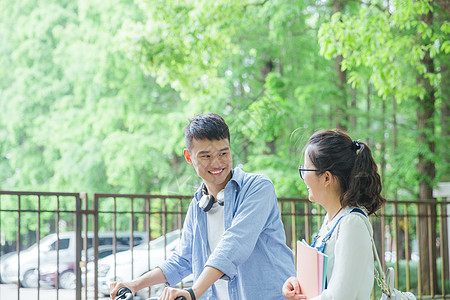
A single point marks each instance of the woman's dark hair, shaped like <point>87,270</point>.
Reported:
<point>352,163</point>
<point>208,126</point>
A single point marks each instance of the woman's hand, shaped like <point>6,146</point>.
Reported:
<point>171,294</point>
<point>291,289</point>
<point>115,286</point>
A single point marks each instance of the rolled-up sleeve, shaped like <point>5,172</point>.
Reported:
<point>179,265</point>
<point>250,218</point>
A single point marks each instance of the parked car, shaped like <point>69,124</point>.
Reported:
<point>67,278</point>
<point>3,258</point>
<point>28,258</point>
<point>128,266</point>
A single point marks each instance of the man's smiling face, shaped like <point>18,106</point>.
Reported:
<point>212,161</point>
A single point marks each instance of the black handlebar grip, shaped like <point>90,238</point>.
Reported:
<point>124,293</point>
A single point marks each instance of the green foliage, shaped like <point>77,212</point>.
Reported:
<point>95,94</point>
<point>391,42</point>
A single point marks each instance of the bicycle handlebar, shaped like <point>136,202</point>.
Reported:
<point>124,293</point>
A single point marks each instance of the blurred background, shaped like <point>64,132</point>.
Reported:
<point>94,95</point>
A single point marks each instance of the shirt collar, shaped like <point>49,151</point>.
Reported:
<point>345,211</point>
<point>237,175</point>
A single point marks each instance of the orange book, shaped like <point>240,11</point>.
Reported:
<point>308,270</point>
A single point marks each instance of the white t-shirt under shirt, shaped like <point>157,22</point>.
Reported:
<point>216,227</point>
<point>350,269</point>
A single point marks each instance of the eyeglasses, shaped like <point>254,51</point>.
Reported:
<point>301,170</point>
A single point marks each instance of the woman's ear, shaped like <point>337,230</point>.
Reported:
<point>331,181</point>
<point>187,156</point>
<point>328,178</point>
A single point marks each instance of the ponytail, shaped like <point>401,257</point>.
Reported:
<point>364,188</point>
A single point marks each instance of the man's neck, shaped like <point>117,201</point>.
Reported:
<point>213,189</point>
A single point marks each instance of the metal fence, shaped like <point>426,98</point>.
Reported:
<point>122,225</point>
<point>401,240</point>
<point>24,218</point>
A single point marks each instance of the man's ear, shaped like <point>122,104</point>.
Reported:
<point>187,156</point>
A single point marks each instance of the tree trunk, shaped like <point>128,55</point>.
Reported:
<point>445,113</point>
<point>341,116</point>
<point>394,136</point>
<point>377,228</point>
<point>445,131</point>
<point>394,125</point>
<point>368,118</point>
<point>444,4</point>
<point>401,233</point>
<point>353,112</point>
<point>383,142</point>
<point>265,70</point>
<point>426,169</point>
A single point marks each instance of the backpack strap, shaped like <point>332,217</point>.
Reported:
<point>321,248</point>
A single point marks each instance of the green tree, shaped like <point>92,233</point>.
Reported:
<point>403,44</point>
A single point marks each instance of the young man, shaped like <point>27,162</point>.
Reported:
<point>233,239</point>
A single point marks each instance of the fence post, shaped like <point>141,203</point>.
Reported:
<point>443,191</point>
<point>96,244</point>
<point>78,241</point>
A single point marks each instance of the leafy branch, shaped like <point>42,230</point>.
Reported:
<point>255,4</point>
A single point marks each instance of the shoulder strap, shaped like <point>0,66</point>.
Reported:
<point>359,210</point>
<point>382,282</point>
<point>321,248</point>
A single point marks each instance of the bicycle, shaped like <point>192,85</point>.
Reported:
<point>126,294</point>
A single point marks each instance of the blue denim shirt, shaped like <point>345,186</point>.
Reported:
<point>252,253</point>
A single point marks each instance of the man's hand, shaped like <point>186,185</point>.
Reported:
<point>153,277</point>
<point>171,294</point>
<point>291,289</point>
<point>115,286</point>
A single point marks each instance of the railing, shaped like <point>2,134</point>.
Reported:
<point>155,215</point>
<point>411,236</point>
<point>22,213</point>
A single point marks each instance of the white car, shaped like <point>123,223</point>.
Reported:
<point>130,265</point>
<point>28,258</point>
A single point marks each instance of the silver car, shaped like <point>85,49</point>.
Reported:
<point>28,259</point>
<point>129,265</point>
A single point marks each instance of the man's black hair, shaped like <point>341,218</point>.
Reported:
<point>208,126</point>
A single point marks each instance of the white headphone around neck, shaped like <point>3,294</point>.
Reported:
<point>207,201</point>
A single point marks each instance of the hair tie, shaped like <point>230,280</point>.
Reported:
<point>355,145</point>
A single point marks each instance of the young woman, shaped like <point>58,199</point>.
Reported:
<point>341,175</point>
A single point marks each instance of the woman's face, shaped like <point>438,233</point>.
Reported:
<point>313,182</point>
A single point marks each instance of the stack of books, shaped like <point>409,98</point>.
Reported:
<point>311,269</point>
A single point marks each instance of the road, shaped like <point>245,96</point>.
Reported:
<point>9,291</point>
